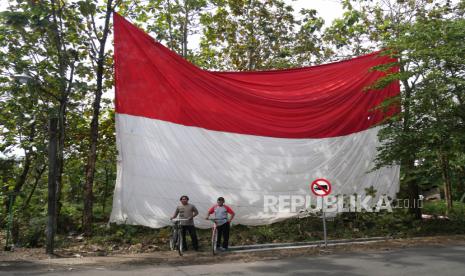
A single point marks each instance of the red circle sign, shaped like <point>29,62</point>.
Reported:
<point>320,187</point>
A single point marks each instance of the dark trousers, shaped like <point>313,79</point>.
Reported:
<point>223,231</point>
<point>192,233</point>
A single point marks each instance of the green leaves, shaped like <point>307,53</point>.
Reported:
<point>14,19</point>
<point>87,7</point>
<point>257,35</point>
<point>428,40</point>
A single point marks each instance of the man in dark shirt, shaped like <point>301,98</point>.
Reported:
<point>188,212</point>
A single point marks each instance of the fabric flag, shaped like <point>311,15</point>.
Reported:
<point>182,130</point>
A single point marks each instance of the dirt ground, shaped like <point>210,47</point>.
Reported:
<point>68,258</point>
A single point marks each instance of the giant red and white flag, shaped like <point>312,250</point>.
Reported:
<point>241,135</point>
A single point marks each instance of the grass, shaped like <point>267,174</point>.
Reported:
<point>344,226</point>
<point>399,223</point>
<point>440,208</point>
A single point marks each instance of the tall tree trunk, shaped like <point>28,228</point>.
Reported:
<point>94,128</point>
<point>64,90</point>
<point>184,28</point>
<point>412,188</point>
<point>251,50</point>
<point>66,85</point>
<point>170,28</point>
<point>52,159</point>
<point>60,153</point>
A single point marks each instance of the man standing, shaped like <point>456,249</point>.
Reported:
<point>188,212</point>
<point>222,221</point>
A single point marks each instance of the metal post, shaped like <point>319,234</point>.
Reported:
<point>324,227</point>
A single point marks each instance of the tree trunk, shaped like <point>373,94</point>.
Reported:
<point>64,90</point>
<point>60,153</point>
<point>52,164</point>
<point>412,188</point>
<point>94,129</point>
<point>170,28</point>
<point>250,37</point>
<point>184,29</point>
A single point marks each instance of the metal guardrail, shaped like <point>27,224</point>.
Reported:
<point>309,243</point>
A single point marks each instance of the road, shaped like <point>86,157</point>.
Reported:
<point>427,260</point>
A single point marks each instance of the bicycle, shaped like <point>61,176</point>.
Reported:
<point>176,239</point>
<point>214,235</point>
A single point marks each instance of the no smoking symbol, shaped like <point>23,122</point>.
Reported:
<point>320,187</point>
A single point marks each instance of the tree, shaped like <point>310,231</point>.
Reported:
<point>50,34</point>
<point>424,135</point>
<point>247,35</point>
<point>433,50</point>
<point>172,22</point>
<point>257,35</point>
<point>98,54</point>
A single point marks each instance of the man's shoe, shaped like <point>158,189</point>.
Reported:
<point>221,249</point>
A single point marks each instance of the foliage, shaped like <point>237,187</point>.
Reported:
<point>426,137</point>
<point>254,35</point>
<point>433,65</point>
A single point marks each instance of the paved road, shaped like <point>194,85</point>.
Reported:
<point>428,260</point>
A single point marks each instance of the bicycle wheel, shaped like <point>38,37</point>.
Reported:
<point>173,240</point>
<point>179,244</point>
<point>214,240</point>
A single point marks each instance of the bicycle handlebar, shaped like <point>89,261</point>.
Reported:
<point>179,219</point>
